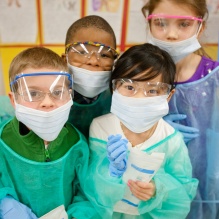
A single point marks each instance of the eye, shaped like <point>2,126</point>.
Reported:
<point>82,52</point>
<point>106,55</point>
<point>153,92</point>
<point>160,23</point>
<point>78,49</point>
<point>130,87</point>
<point>57,93</point>
<point>185,23</point>
<point>35,93</point>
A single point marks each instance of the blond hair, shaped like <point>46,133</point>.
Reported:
<point>36,57</point>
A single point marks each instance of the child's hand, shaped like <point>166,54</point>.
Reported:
<point>142,190</point>
<point>117,154</point>
<point>11,208</point>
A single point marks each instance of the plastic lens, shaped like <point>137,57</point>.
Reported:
<point>33,87</point>
<point>128,87</point>
<point>82,51</point>
<point>184,25</point>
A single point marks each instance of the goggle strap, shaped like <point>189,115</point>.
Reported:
<point>40,74</point>
<point>174,16</point>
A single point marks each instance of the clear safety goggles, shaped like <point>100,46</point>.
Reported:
<point>184,25</point>
<point>82,51</point>
<point>33,87</point>
<point>129,88</point>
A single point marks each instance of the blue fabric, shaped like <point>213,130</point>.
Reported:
<point>199,101</point>
<point>11,208</point>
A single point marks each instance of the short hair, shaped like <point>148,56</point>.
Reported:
<point>145,62</point>
<point>36,57</point>
<point>86,22</point>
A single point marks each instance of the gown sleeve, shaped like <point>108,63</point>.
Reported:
<point>175,187</point>
<point>102,189</point>
<point>81,207</point>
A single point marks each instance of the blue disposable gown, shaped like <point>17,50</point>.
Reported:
<point>199,100</point>
<point>43,186</point>
<point>175,188</point>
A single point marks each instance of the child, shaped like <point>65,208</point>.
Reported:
<point>142,83</point>
<point>43,159</point>
<point>176,27</point>
<point>90,53</point>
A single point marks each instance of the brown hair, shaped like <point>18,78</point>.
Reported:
<point>89,21</point>
<point>198,6</point>
<point>36,57</point>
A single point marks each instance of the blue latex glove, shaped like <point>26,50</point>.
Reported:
<point>117,154</point>
<point>11,208</point>
<point>188,132</point>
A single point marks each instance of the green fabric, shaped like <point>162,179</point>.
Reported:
<point>175,187</point>
<point>43,186</point>
<point>81,115</point>
<point>6,109</point>
<point>32,147</point>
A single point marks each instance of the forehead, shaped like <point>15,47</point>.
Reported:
<point>94,35</point>
<point>44,69</point>
<point>142,75</point>
<point>172,8</point>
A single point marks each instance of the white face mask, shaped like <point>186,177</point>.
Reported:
<point>47,125</point>
<point>177,50</point>
<point>139,114</point>
<point>89,83</point>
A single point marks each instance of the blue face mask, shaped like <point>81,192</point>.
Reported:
<point>89,83</point>
<point>139,114</point>
<point>47,125</point>
<point>177,50</point>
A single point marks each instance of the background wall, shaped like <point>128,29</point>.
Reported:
<point>27,23</point>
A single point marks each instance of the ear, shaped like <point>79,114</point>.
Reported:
<point>170,94</point>
<point>64,57</point>
<point>11,97</point>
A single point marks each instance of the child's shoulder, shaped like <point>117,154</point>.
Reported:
<point>102,126</point>
<point>166,127</point>
<point>104,118</point>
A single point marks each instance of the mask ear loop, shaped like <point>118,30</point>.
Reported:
<point>199,29</point>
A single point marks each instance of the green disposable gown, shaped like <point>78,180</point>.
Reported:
<point>175,187</point>
<point>43,186</point>
<point>81,115</point>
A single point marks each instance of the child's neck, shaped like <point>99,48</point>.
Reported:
<point>138,138</point>
<point>46,143</point>
<point>187,67</point>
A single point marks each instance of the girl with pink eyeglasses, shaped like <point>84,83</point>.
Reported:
<point>177,26</point>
